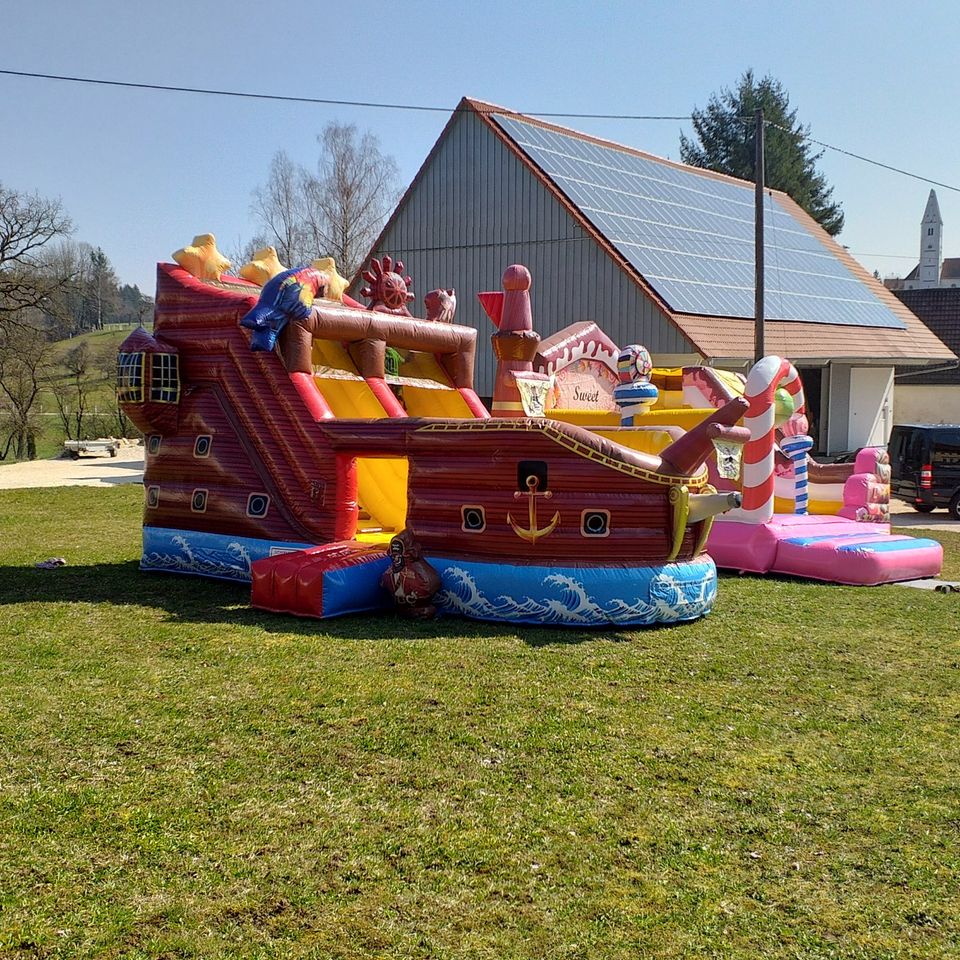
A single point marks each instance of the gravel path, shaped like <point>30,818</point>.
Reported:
<point>100,470</point>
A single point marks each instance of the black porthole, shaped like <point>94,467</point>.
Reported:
<point>198,502</point>
<point>201,446</point>
<point>258,504</point>
<point>595,523</point>
<point>474,519</point>
<point>153,444</point>
<point>153,497</point>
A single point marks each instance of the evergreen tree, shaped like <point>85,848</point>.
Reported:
<point>724,142</point>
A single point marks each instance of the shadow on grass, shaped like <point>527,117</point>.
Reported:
<point>196,600</point>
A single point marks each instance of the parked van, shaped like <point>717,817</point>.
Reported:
<point>925,466</point>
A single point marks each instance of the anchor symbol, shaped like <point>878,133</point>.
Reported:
<point>532,533</point>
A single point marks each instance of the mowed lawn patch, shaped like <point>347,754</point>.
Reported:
<point>182,776</point>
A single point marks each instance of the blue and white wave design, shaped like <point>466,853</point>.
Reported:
<point>206,554</point>
<point>577,596</point>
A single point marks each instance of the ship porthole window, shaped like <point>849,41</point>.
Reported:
<point>165,378</point>
<point>201,446</point>
<point>153,444</point>
<point>474,518</point>
<point>258,504</point>
<point>198,501</point>
<point>130,377</point>
<point>153,497</point>
<point>595,523</point>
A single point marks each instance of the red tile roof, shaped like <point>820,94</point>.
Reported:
<point>939,308</point>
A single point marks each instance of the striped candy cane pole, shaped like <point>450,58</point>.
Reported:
<point>796,448</point>
<point>758,458</point>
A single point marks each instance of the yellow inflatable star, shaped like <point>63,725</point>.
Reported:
<point>202,259</point>
<point>336,285</point>
<point>263,266</point>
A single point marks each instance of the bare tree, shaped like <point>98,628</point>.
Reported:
<point>68,307</point>
<point>279,209</point>
<point>28,223</point>
<point>25,355</point>
<point>103,287</point>
<point>337,211</point>
<point>73,391</point>
<point>349,199</point>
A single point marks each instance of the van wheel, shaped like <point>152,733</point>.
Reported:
<point>954,508</point>
<point>923,507</point>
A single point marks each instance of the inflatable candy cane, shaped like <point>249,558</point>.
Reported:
<point>758,456</point>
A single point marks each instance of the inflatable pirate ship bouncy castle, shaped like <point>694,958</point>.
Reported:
<point>293,436</point>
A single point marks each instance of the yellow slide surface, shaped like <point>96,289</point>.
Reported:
<point>381,483</point>
<point>428,401</point>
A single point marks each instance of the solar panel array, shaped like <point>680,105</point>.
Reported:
<point>691,236</point>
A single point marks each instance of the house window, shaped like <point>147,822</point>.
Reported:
<point>130,377</point>
<point>258,504</point>
<point>153,497</point>
<point>201,446</point>
<point>198,501</point>
<point>165,378</point>
<point>929,231</point>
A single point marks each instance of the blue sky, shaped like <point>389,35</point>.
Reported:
<point>141,172</point>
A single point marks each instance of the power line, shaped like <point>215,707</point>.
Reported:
<point>167,88</point>
<point>425,108</point>
<point>859,156</point>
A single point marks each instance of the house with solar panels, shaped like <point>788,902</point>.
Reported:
<point>654,252</point>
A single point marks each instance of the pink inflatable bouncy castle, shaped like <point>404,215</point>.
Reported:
<point>854,546</point>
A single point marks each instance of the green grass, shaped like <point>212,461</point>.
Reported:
<point>182,776</point>
<point>99,341</point>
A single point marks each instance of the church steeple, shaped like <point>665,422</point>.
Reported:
<point>931,230</point>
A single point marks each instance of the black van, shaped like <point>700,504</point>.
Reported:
<point>925,466</point>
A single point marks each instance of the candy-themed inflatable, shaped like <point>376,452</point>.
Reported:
<point>338,459</point>
<point>798,517</point>
<point>853,546</point>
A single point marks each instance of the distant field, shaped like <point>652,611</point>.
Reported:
<point>182,776</point>
<point>99,340</point>
<point>50,441</point>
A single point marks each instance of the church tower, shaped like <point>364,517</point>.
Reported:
<point>931,230</point>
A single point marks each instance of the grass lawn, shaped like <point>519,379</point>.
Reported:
<point>182,776</point>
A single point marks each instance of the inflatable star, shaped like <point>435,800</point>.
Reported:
<point>202,259</point>
<point>336,285</point>
<point>263,266</point>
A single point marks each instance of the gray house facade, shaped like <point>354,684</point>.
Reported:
<point>655,253</point>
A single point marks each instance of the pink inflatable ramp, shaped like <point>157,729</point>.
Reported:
<point>324,581</point>
<point>829,548</point>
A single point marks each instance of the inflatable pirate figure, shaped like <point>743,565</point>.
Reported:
<point>409,579</point>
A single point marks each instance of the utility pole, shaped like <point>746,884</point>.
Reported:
<point>758,345</point>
